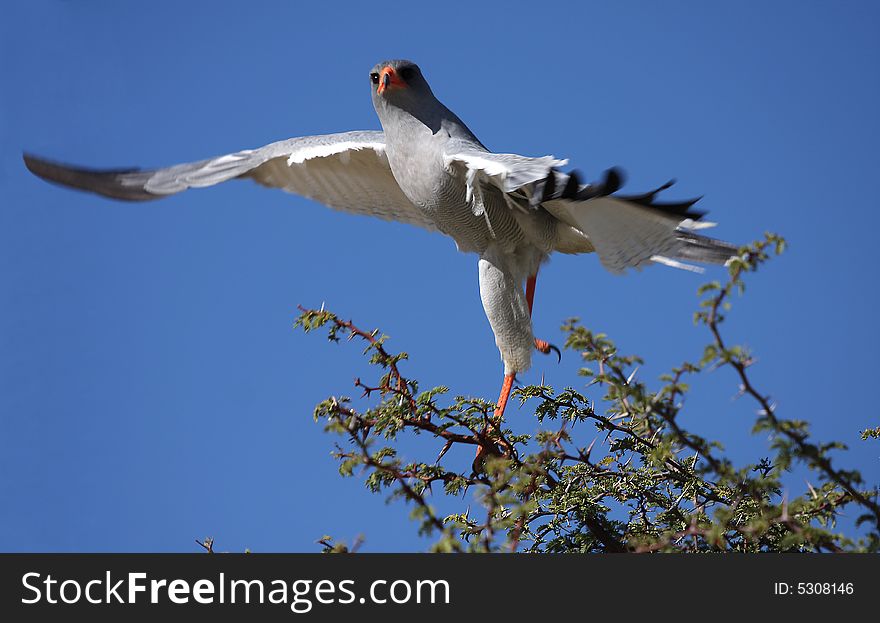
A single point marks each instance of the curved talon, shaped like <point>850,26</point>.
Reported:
<point>546,347</point>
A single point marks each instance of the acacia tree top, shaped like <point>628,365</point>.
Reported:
<point>648,484</point>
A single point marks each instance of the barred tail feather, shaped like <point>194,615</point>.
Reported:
<point>696,248</point>
<point>632,231</point>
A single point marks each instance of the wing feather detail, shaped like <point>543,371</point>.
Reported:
<point>626,231</point>
<point>348,171</point>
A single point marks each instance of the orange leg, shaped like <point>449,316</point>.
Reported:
<point>530,290</point>
<point>541,345</point>
<point>483,451</point>
<point>506,388</point>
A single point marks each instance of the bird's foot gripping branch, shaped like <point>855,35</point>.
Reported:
<point>609,467</point>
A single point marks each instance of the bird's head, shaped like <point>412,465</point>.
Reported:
<point>397,81</point>
<point>401,94</point>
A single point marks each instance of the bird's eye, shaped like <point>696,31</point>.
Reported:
<point>407,73</point>
<point>374,78</point>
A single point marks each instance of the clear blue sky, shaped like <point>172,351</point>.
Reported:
<point>151,388</point>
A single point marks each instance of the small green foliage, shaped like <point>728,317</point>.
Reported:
<point>329,546</point>
<point>870,433</point>
<point>609,467</point>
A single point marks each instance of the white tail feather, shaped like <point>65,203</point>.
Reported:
<point>659,259</point>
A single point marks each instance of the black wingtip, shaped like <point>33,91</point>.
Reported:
<point>34,164</point>
<point>47,170</point>
<point>614,180</point>
<point>106,182</point>
<point>549,188</point>
<point>678,208</point>
<point>572,186</point>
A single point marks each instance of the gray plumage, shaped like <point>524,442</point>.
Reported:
<point>428,169</point>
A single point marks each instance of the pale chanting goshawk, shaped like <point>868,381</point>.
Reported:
<point>428,169</point>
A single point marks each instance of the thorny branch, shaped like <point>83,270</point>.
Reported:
<point>798,437</point>
<point>652,486</point>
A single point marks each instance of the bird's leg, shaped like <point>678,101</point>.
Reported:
<point>483,450</point>
<point>503,312</point>
<point>541,345</point>
<point>531,283</point>
<point>506,388</point>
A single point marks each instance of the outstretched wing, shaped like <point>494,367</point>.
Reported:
<point>347,171</point>
<point>626,231</point>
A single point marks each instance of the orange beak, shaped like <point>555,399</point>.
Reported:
<point>389,78</point>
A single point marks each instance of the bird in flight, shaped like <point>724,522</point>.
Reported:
<point>428,169</point>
